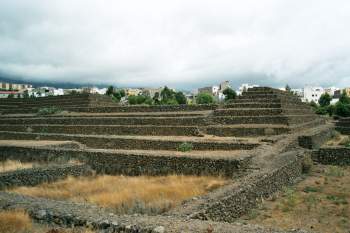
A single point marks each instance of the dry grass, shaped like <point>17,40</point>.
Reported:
<point>320,203</point>
<point>12,165</point>
<point>15,221</point>
<point>18,221</point>
<point>141,194</point>
<point>339,140</point>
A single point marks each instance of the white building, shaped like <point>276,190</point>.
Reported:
<point>299,92</point>
<point>331,90</point>
<point>58,91</point>
<point>216,91</point>
<point>244,87</point>
<point>312,93</point>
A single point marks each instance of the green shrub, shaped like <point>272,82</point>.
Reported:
<point>337,199</point>
<point>342,109</point>
<point>309,189</point>
<point>204,98</point>
<point>48,111</point>
<point>185,147</point>
<point>229,94</point>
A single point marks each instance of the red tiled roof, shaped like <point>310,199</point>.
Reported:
<point>8,92</point>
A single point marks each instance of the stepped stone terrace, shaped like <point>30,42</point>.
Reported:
<point>257,143</point>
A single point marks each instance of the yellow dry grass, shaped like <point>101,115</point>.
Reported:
<point>15,221</point>
<point>127,194</point>
<point>18,221</point>
<point>11,165</point>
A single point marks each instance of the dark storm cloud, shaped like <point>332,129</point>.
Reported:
<point>179,43</point>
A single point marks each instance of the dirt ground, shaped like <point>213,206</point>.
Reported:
<point>319,203</point>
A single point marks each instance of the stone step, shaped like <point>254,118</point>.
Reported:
<point>107,121</point>
<point>260,112</point>
<point>250,120</point>
<point>135,108</point>
<point>253,105</point>
<point>137,142</point>
<point>117,114</point>
<point>267,100</point>
<point>252,130</point>
<point>278,119</point>
<point>106,129</point>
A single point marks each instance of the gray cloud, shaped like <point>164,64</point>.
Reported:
<point>179,43</point>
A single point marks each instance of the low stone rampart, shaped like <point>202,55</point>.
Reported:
<point>133,163</point>
<point>130,143</point>
<point>245,195</point>
<point>332,155</point>
<point>316,137</point>
<point>35,176</point>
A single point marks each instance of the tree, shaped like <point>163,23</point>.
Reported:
<point>180,98</point>
<point>344,98</point>
<point>313,104</point>
<point>117,96</point>
<point>26,94</point>
<point>110,91</point>
<point>167,94</point>
<point>122,92</point>
<point>156,98</point>
<point>229,94</point>
<point>325,100</point>
<point>342,109</point>
<point>132,100</point>
<point>10,96</point>
<point>204,98</point>
<point>288,89</point>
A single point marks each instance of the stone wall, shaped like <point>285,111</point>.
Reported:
<point>248,193</point>
<point>35,176</point>
<point>133,163</point>
<point>70,214</point>
<point>316,138</point>
<point>332,155</point>
<point>129,143</point>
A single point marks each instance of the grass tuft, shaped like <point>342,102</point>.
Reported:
<point>12,165</point>
<point>15,221</point>
<point>185,147</point>
<point>48,111</point>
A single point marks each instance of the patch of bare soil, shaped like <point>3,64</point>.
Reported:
<point>319,203</point>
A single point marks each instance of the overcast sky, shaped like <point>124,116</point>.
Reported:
<point>183,44</point>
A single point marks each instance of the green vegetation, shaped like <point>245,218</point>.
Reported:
<point>180,98</point>
<point>48,111</point>
<point>335,171</point>
<point>116,95</point>
<point>342,108</point>
<point>325,100</point>
<point>229,94</point>
<point>185,147</point>
<point>290,200</point>
<point>204,98</point>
